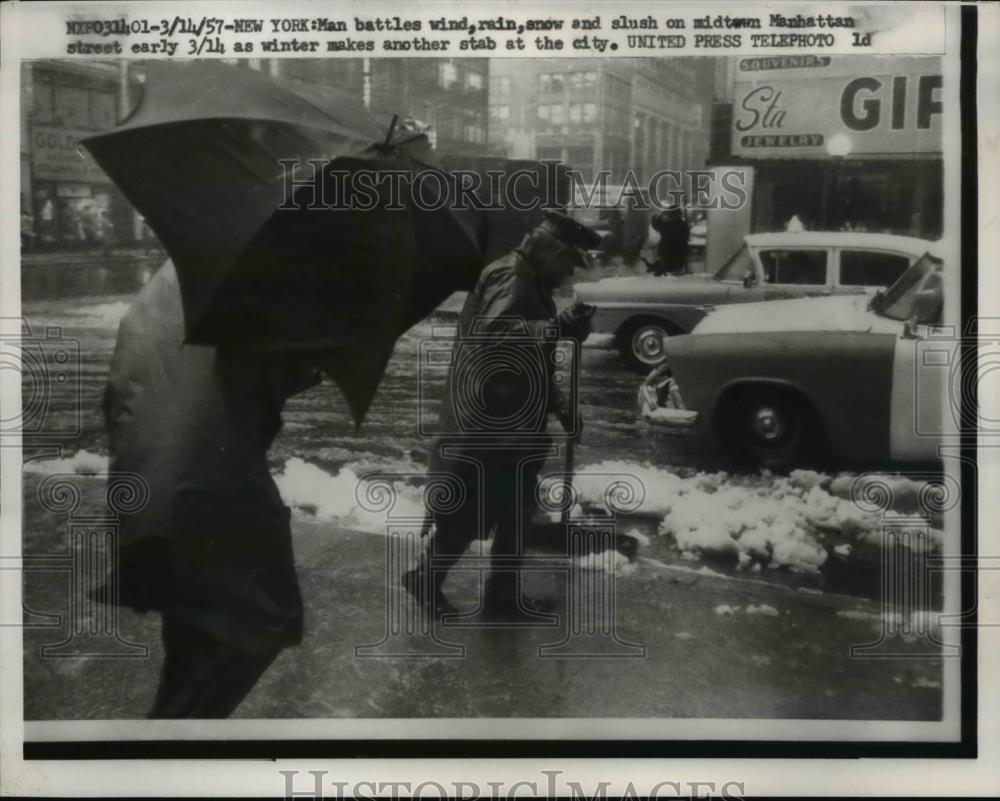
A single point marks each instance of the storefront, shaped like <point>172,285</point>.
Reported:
<point>841,143</point>
<point>67,200</point>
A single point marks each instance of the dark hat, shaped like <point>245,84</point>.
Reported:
<point>570,232</point>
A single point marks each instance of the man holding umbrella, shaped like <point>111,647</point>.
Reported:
<point>499,392</point>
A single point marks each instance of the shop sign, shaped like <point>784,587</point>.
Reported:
<point>57,155</point>
<point>885,114</point>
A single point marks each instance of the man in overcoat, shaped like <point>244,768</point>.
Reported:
<point>500,389</point>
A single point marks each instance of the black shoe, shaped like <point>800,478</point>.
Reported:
<point>434,602</point>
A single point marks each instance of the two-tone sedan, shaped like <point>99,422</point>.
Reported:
<point>635,313</point>
<point>814,380</point>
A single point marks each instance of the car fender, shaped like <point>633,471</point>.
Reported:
<point>611,318</point>
<point>845,376</point>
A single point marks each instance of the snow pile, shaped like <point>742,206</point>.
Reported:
<point>608,561</point>
<point>774,521</point>
<point>338,497</point>
<point>82,463</point>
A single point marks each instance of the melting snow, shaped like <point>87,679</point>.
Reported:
<point>82,463</point>
<point>335,497</point>
<point>765,520</point>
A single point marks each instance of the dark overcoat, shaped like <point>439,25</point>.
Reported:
<point>212,546</point>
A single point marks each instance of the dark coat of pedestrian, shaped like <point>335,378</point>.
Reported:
<point>211,551</point>
<point>672,250</point>
<point>501,388</point>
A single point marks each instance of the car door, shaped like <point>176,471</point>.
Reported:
<point>862,269</point>
<point>793,272</point>
<point>920,372</point>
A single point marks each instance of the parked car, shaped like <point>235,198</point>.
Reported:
<point>640,311</point>
<point>811,380</point>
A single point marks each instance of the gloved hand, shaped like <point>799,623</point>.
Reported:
<point>574,322</point>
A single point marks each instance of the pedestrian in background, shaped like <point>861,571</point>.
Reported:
<point>672,250</point>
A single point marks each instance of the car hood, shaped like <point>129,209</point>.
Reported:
<point>662,289</point>
<point>837,313</point>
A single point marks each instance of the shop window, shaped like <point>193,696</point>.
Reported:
<point>871,268</point>
<point>803,267</point>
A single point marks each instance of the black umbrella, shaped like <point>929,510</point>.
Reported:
<point>205,158</point>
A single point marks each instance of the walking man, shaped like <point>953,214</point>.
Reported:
<point>499,392</point>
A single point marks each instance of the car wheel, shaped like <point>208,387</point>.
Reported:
<point>641,344</point>
<point>769,428</point>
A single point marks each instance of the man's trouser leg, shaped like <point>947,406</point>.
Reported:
<point>203,677</point>
<point>511,504</point>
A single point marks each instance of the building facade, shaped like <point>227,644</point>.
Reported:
<point>842,143</point>
<point>67,202</point>
<point>66,199</point>
<point>615,114</point>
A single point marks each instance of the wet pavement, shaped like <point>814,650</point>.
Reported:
<point>686,641</point>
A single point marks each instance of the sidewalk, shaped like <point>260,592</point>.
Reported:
<point>683,645</point>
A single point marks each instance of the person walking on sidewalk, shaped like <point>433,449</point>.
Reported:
<point>211,551</point>
<point>499,392</point>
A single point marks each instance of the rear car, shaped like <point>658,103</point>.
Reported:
<point>639,312</point>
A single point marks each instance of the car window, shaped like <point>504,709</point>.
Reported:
<point>739,264</point>
<point>785,266</point>
<point>871,267</point>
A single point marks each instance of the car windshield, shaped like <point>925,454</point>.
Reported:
<point>899,300</point>
<point>737,267</point>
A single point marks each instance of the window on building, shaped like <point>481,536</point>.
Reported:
<point>500,112</point>
<point>544,82</point>
<point>447,74</point>
<point>548,153</point>
<point>558,83</point>
<point>72,107</point>
<point>43,110</point>
<point>871,268</point>
<point>589,79</point>
<point>102,111</point>
<point>543,112</point>
<point>806,267</point>
<point>473,81</point>
<point>575,112</point>
<point>503,84</point>
<point>557,113</point>
<point>589,112</point>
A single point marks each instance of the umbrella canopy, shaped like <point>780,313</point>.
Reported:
<point>202,159</point>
